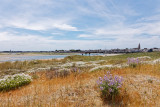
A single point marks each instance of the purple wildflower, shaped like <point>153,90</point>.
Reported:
<point>133,61</point>
<point>110,90</point>
<point>100,78</point>
<point>119,86</point>
<point>116,78</point>
<point>110,83</point>
<point>98,82</point>
<point>101,88</point>
<point>137,61</point>
<point>105,77</point>
<point>119,80</point>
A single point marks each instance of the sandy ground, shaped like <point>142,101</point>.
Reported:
<point>111,54</point>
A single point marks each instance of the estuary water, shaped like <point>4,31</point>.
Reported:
<point>15,57</point>
<point>23,58</point>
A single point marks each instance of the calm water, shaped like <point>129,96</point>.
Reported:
<point>23,58</point>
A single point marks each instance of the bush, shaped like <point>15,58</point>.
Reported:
<point>55,73</point>
<point>14,81</point>
<point>109,86</point>
<point>133,62</point>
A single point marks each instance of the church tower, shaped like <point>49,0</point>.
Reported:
<point>139,46</point>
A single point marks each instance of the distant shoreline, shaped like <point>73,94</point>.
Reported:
<point>111,54</point>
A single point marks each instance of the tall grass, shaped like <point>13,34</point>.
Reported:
<point>10,68</point>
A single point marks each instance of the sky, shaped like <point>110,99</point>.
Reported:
<point>47,25</point>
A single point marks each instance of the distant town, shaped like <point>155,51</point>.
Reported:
<point>105,51</point>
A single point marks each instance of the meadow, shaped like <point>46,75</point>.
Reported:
<point>72,81</point>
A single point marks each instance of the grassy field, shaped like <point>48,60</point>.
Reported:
<point>70,82</point>
<point>123,57</point>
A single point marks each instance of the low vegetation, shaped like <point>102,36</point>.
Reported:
<point>69,82</point>
<point>14,81</point>
<point>109,86</point>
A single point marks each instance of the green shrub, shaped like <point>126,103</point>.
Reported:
<point>14,81</point>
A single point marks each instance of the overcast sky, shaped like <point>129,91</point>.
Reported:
<point>78,24</point>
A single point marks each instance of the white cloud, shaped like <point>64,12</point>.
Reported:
<point>84,36</point>
<point>57,33</point>
<point>10,37</point>
<point>125,31</point>
<point>117,32</point>
<point>125,36</point>
<point>107,10</point>
<point>37,43</point>
<point>65,27</point>
<point>35,15</point>
<point>39,24</point>
<point>4,36</point>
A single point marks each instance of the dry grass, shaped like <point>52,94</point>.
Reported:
<point>141,88</point>
<point>10,68</point>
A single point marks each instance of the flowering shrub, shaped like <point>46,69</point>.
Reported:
<point>109,85</point>
<point>133,62</point>
<point>14,81</point>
